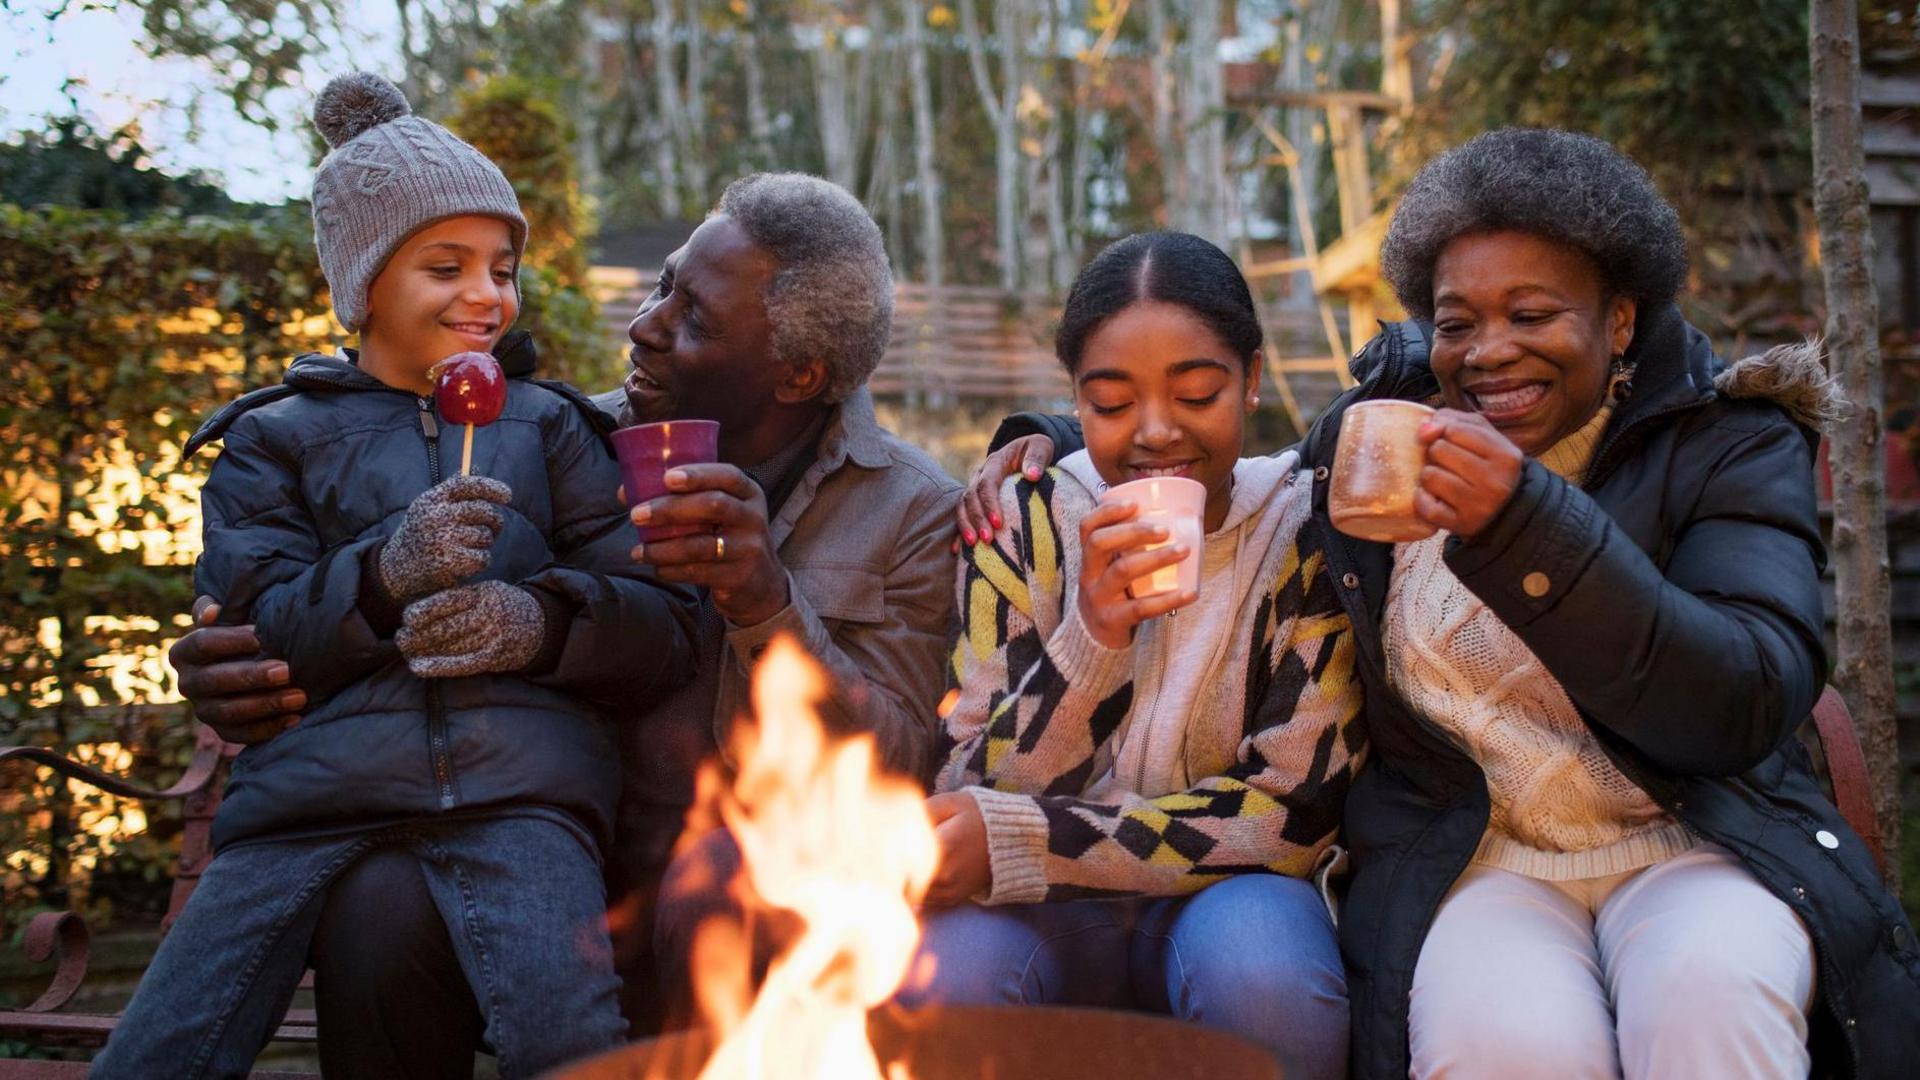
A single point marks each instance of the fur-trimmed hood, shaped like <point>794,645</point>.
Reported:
<point>1794,377</point>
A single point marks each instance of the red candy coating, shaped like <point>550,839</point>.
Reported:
<point>469,388</point>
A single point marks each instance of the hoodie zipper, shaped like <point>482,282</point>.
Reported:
<point>1163,646</point>
<point>436,710</point>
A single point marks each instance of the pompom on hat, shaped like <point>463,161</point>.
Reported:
<point>390,174</point>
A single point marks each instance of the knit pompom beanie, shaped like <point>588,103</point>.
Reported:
<point>389,174</point>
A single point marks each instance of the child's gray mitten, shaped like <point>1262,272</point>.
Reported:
<point>447,536</point>
<point>486,627</point>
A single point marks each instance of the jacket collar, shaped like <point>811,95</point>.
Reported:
<point>1673,370</point>
<point>341,371</point>
<point>853,434</point>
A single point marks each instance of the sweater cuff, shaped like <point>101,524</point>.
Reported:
<point>1016,846</point>
<point>1085,662</point>
<point>383,612</point>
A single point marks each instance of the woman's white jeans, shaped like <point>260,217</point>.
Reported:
<point>1688,968</point>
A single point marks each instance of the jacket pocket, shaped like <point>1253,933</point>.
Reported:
<point>842,591</point>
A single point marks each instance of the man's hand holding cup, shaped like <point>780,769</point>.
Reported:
<point>730,550</point>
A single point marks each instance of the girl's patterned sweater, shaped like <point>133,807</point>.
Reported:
<point>1222,741</point>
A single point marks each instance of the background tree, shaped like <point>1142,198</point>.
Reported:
<point>999,99</point>
<point>1705,93</point>
<point>1709,95</point>
<point>1864,673</point>
<point>926,171</point>
<point>70,164</point>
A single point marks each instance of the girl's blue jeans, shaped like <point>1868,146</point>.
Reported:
<point>1254,955</point>
<point>522,898</point>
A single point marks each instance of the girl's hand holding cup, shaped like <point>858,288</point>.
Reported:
<point>1470,475</point>
<point>1114,556</point>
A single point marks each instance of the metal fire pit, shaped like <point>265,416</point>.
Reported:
<point>992,1043</point>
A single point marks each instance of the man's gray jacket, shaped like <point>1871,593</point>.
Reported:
<point>865,538</point>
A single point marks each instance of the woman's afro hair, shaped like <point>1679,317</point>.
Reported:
<point>1564,186</point>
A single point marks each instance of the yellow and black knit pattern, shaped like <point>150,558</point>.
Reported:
<point>1023,724</point>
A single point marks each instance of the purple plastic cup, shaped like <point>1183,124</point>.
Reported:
<point>647,451</point>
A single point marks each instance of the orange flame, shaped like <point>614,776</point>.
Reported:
<point>845,848</point>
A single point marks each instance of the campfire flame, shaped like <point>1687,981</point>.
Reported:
<point>845,848</point>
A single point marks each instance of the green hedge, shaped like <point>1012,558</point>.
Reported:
<point>120,337</point>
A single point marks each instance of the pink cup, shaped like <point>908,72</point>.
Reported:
<point>1178,504</point>
<point>647,451</point>
<point>1376,471</point>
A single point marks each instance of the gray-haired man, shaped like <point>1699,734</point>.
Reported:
<point>822,525</point>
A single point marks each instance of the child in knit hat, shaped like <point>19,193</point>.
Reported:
<point>462,640</point>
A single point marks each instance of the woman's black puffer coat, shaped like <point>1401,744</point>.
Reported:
<point>1682,614</point>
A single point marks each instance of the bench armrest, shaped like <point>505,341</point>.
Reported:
<point>63,932</point>
<point>200,770</point>
<point>1847,768</point>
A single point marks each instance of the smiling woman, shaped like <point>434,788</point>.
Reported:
<point>1582,690</point>
<point>1525,334</point>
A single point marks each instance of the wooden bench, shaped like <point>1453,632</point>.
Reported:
<point>62,936</point>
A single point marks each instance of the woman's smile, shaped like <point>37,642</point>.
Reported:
<point>1524,332</point>
<point>1505,401</point>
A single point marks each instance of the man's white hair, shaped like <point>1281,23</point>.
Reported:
<point>832,298</point>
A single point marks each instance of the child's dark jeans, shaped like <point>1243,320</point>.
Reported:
<point>523,900</point>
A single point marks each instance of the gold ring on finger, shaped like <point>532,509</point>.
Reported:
<point>719,547</point>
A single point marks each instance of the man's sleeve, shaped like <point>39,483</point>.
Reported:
<point>1063,431</point>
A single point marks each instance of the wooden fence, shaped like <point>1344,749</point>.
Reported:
<point>975,342</point>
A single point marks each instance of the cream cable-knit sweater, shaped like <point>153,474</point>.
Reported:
<point>1561,810</point>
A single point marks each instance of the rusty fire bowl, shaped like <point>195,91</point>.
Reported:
<point>991,1043</point>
